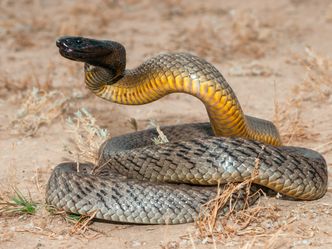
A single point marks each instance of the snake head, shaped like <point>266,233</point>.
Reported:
<point>107,54</point>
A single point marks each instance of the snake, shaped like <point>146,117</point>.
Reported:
<point>139,181</point>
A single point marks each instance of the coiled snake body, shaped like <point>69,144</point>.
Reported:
<point>140,182</point>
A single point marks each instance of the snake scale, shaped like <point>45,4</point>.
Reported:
<point>138,181</point>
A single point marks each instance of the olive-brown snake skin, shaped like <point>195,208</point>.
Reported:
<point>140,182</point>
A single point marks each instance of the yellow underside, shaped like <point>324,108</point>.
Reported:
<point>225,113</point>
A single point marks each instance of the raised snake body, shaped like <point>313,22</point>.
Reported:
<point>140,182</point>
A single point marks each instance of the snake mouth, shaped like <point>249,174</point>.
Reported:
<point>82,49</point>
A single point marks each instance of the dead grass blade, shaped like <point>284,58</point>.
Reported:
<point>133,124</point>
<point>236,221</point>
<point>87,137</point>
<point>9,86</point>
<point>315,89</point>
<point>250,35</point>
<point>161,139</point>
<point>288,118</point>
<point>250,220</point>
<point>38,108</point>
<point>317,85</point>
<point>82,224</point>
<point>208,218</point>
<point>246,36</point>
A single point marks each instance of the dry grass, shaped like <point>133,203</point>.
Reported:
<point>317,85</point>
<point>209,223</point>
<point>82,223</point>
<point>22,40</point>
<point>37,109</point>
<point>245,36</point>
<point>76,19</point>
<point>87,137</point>
<point>251,37</point>
<point>239,219</point>
<point>202,41</point>
<point>161,139</point>
<point>79,224</point>
<point>27,215</point>
<point>265,226</point>
<point>316,88</point>
<point>288,118</point>
<point>14,88</point>
<point>9,86</point>
<point>133,124</point>
<point>84,18</point>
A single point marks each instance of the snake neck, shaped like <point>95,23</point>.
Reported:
<point>174,73</point>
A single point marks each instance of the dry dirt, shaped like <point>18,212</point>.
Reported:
<point>275,54</point>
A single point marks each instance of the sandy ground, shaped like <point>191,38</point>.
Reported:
<point>259,46</point>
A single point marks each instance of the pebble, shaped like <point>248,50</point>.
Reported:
<point>136,243</point>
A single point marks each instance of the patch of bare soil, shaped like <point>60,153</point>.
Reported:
<point>276,55</point>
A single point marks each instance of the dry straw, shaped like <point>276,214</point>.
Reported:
<point>239,217</point>
<point>87,137</point>
<point>316,89</point>
<point>246,36</point>
<point>82,224</point>
<point>38,108</point>
<point>317,85</point>
<point>161,139</point>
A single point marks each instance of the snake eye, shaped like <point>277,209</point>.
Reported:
<point>78,41</point>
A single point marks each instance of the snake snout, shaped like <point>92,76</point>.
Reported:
<point>75,48</point>
<point>83,49</point>
<point>72,42</point>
